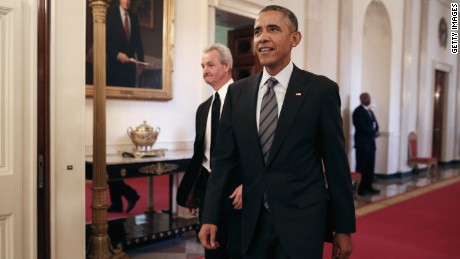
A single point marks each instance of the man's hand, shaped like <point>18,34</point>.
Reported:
<point>207,236</point>
<point>342,246</point>
<point>192,211</point>
<point>122,57</point>
<point>237,197</point>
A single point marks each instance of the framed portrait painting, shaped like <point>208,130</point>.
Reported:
<point>139,50</point>
<point>146,13</point>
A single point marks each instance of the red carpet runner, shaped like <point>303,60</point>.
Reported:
<point>423,227</point>
<point>426,226</point>
<point>161,197</point>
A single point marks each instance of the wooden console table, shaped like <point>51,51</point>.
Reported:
<point>152,225</point>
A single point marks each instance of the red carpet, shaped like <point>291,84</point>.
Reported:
<point>422,227</point>
<point>161,197</point>
<point>426,226</point>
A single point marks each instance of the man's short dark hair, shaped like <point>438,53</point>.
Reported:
<point>286,12</point>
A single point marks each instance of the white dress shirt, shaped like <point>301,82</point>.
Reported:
<point>280,88</point>
<point>207,139</point>
<point>123,18</point>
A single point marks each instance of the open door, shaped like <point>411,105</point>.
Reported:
<point>240,43</point>
<point>17,129</point>
<point>438,113</point>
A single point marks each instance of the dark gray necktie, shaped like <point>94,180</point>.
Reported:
<point>268,118</point>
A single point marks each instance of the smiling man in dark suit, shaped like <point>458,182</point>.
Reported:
<point>217,64</point>
<point>281,126</point>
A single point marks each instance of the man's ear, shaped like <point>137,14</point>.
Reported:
<point>295,38</point>
<point>227,67</point>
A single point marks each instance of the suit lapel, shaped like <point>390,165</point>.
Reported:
<point>247,120</point>
<point>296,94</point>
<point>202,121</point>
<point>252,99</point>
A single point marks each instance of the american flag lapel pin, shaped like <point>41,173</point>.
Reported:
<point>298,94</point>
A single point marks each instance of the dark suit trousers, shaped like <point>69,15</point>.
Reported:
<point>118,189</point>
<point>265,243</point>
<point>229,228</point>
<point>119,74</point>
<point>365,164</point>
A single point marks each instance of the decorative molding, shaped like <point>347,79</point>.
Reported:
<point>445,67</point>
<point>6,74</point>
<point>6,236</point>
<point>247,8</point>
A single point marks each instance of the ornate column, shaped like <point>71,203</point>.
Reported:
<point>100,247</point>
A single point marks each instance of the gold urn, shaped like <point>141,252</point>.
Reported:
<point>144,136</point>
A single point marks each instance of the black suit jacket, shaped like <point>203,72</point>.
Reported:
<point>309,132</point>
<point>365,131</point>
<point>188,193</point>
<point>119,74</point>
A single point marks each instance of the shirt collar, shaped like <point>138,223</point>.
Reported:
<point>122,12</point>
<point>282,77</point>
<point>366,107</point>
<point>223,90</point>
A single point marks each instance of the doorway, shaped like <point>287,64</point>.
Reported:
<point>438,112</point>
<point>236,32</point>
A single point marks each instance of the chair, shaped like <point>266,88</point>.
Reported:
<point>414,160</point>
<point>356,179</point>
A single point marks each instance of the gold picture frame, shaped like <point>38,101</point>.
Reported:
<point>149,84</point>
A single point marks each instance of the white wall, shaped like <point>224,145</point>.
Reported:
<point>410,78</point>
<point>321,37</point>
<point>67,80</point>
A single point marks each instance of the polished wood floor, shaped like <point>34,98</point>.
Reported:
<point>186,246</point>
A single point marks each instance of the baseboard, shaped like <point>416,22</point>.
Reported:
<point>404,174</point>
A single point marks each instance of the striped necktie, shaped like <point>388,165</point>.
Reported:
<point>268,118</point>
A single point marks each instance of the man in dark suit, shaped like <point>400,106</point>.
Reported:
<point>217,69</point>
<point>285,198</point>
<point>366,131</point>
<point>123,40</point>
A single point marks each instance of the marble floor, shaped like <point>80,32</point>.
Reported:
<point>187,246</point>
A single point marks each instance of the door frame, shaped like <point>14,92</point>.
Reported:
<point>43,131</point>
